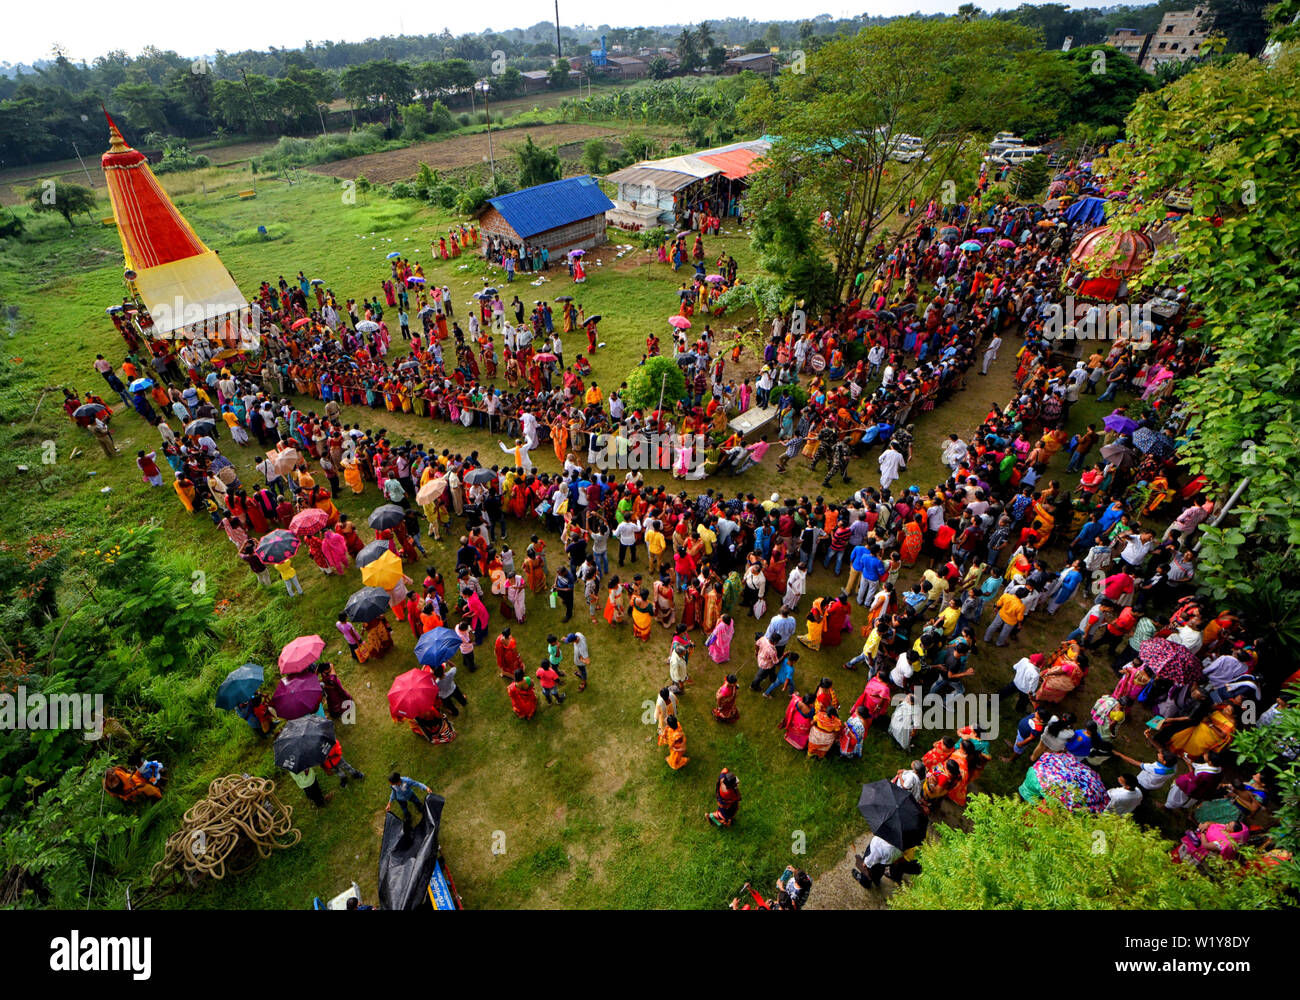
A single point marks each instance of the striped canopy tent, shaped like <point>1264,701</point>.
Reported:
<point>183,284</point>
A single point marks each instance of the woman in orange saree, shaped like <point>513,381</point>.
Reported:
<point>676,758</point>
<point>774,571</point>
<point>534,574</point>
<point>910,547</point>
<point>825,731</point>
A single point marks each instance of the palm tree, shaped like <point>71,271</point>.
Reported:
<point>686,50</point>
<point>703,37</point>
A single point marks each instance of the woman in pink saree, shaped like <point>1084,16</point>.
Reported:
<point>336,551</point>
<point>797,722</point>
<point>719,640</point>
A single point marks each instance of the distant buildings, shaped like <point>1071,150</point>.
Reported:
<point>1178,38</point>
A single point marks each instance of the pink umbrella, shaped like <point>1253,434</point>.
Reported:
<point>714,278</point>
<point>301,654</point>
<point>308,522</point>
<point>681,322</point>
<point>1007,244</point>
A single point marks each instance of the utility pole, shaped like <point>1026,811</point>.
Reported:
<point>487,112</point>
<point>558,54</point>
<point>83,165</point>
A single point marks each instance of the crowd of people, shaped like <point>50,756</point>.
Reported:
<point>915,584</point>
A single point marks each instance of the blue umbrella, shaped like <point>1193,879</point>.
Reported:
<point>141,384</point>
<point>239,685</point>
<point>436,646</point>
<point>394,255</point>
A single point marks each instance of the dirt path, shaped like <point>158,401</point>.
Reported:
<point>464,151</point>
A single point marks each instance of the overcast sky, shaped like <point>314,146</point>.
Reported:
<point>87,29</point>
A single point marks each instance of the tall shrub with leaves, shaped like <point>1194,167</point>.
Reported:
<point>1230,136</point>
<point>1016,856</point>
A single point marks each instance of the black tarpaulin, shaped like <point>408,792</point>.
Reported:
<point>407,857</point>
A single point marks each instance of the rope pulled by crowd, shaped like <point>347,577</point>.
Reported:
<point>240,821</point>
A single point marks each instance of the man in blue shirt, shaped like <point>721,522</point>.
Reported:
<point>402,791</point>
<point>872,570</point>
<point>781,630</point>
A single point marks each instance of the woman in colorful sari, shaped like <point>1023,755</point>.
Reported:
<point>1211,735</point>
<point>514,600</point>
<point>719,641</point>
<point>875,698</point>
<point>497,575</point>
<point>854,733</point>
<point>728,796</point>
<point>939,780</point>
<point>968,760</point>
<point>1065,673</point>
<point>664,608</point>
<point>712,607</point>
<point>726,710</point>
<point>1222,839</point>
<point>731,589</point>
<point>642,616</point>
<point>676,758</point>
<point>774,571</point>
<point>506,649</point>
<point>336,552</point>
<point>797,722</point>
<point>535,572</point>
<point>523,698</point>
<point>812,637</point>
<point>910,545</point>
<point>692,607</point>
<point>825,730</point>
<point>837,620</point>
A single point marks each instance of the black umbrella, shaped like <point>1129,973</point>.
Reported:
<point>564,298</point>
<point>366,604</point>
<point>1149,442</point>
<point>480,475</point>
<point>592,319</point>
<point>388,516</point>
<point>907,307</point>
<point>277,546</point>
<point>87,410</point>
<point>370,553</point>
<point>489,291</point>
<point>196,427</point>
<point>886,315</point>
<point>304,743</point>
<point>892,814</point>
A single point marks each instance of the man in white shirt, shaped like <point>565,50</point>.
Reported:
<point>954,452</point>
<point>891,462</point>
<point>1125,798</point>
<point>870,867</point>
<point>991,353</point>
<point>626,533</point>
<point>796,585</point>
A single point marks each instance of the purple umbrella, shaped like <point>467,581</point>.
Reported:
<point>1120,424</point>
<point>1170,661</point>
<point>296,696</point>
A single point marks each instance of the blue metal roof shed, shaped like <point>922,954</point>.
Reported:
<point>549,206</point>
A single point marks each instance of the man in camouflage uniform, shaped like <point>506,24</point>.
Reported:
<point>839,461</point>
<point>826,438</point>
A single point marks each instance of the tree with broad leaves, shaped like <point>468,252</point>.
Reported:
<point>950,83</point>
<point>1230,136</point>
<point>66,199</point>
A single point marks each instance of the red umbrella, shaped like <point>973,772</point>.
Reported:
<point>413,694</point>
<point>301,323</point>
<point>1170,661</point>
<point>308,522</point>
<point>863,314</point>
<point>301,654</point>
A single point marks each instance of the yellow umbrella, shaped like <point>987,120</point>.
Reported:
<point>383,572</point>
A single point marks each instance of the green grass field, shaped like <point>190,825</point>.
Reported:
<point>576,808</point>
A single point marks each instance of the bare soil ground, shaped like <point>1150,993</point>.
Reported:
<point>465,151</point>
